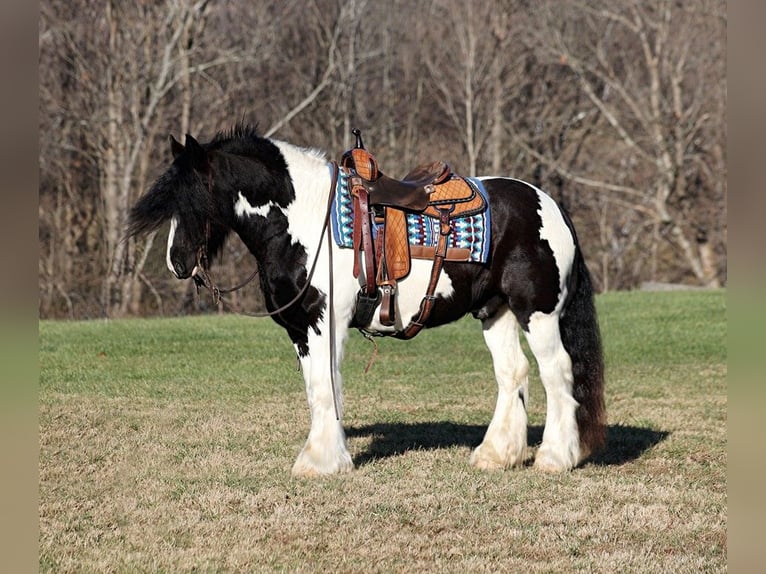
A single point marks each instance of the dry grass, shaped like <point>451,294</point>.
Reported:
<point>164,475</point>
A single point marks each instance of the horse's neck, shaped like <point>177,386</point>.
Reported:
<point>304,216</point>
<point>311,175</point>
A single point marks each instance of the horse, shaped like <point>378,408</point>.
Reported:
<point>275,197</point>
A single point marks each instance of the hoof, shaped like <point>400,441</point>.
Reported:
<point>550,462</point>
<point>486,457</point>
<point>309,464</point>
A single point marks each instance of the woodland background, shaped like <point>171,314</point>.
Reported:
<point>617,108</point>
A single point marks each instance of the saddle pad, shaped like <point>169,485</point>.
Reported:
<point>470,233</point>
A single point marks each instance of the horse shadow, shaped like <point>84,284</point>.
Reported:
<point>625,443</point>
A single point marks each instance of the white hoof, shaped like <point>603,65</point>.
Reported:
<point>312,463</point>
<point>547,460</point>
<point>486,457</point>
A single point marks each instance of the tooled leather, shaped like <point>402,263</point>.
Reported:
<point>397,245</point>
<point>467,201</point>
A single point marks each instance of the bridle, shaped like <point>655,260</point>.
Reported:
<point>202,277</point>
<point>201,273</point>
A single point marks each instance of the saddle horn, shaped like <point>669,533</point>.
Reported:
<point>358,133</point>
<point>360,160</point>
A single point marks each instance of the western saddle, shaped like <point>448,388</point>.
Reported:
<point>430,189</point>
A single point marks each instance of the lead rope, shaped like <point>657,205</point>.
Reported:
<point>331,307</point>
<point>216,292</point>
<point>374,356</point>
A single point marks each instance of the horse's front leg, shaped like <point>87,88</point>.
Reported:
<point>505,443</point>
<point>325,451</point>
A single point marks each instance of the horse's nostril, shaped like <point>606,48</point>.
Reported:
<point>180,269</point>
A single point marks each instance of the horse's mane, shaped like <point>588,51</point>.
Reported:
<point>241,139</point>
<point>239,131</point>
<point>244,140</point>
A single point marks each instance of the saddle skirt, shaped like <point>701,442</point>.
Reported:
<point>468,242</point>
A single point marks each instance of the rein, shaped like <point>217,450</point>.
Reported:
<point>202,277</point>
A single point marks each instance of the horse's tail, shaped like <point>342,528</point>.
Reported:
<point>582,339</point>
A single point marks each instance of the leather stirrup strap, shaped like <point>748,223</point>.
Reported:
<point>357,231</point>
<point>386,284</point>
<point>363,236</point>
<point>426,305</point>
<point>387,306</point>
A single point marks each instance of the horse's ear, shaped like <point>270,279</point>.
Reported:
<point>197,154</point>
<point>176,147</point>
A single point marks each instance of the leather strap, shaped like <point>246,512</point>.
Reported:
<point>426,305</point>
<point>385,284</point>
<point>363,237</point>
<point>357,231</point>
<point>387,306</point>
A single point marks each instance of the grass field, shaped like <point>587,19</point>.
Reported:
<point>166,446</point>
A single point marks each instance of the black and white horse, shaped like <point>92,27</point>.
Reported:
<point>274,196</point>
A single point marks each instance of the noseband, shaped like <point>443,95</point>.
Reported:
<point>202,277</point>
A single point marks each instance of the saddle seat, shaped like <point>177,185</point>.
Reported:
<point>413,192</point>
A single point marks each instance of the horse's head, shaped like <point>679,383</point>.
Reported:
<point>184,195</point>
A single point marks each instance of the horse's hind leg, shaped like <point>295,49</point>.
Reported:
<point>505,442</point>
<point>560,449</point>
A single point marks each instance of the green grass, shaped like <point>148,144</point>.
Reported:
<point>165,446</point>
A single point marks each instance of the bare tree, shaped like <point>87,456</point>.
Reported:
<point>651,73</point>
<point>470,59</point>
<point>617,108</point>
<point>125,69</point>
